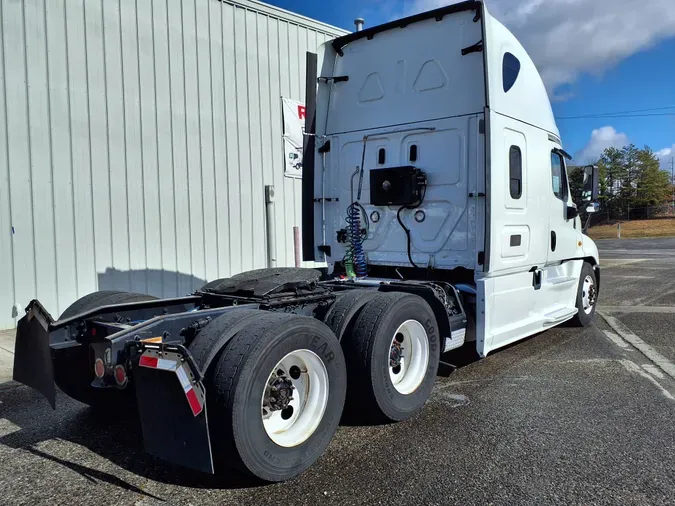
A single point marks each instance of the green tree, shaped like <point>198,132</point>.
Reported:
<point>630,157</point>
<point>652,185</point>
<point>575,174</point>
<point>631,180</point>
<point>612,175</point>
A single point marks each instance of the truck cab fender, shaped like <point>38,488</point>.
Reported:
<point>592,257</point>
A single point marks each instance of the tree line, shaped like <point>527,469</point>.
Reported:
<point>632,183</point>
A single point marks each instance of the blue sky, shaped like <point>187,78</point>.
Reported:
<point>596,56</point>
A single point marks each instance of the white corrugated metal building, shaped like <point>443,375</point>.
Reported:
<point>136,138</point>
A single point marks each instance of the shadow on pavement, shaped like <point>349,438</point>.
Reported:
<point>6,385</point>
<point>356,415</point>
<point>115,438</point>
<point>119,440</point>
<point>92,474</point>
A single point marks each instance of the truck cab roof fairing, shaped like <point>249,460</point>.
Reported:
<point>369,33</point>
<point>527,98</point>
<point>528,88</point>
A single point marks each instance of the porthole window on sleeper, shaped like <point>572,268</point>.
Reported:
<point>510,71</point>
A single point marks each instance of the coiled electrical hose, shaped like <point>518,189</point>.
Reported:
<point>356,264</point>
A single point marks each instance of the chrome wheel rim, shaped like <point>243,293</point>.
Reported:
<point>588,294</point>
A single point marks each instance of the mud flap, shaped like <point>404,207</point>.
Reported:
<point>32,355</point>
<point>172,409</point>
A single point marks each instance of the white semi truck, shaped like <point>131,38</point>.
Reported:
<point>434,188</point>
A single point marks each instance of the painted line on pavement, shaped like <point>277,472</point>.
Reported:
<point>643,252</point>
<point>606,263</point>
<point>654,356</point>
<point>653,370</point>
<point>637,309</point>
<point>616,339</point>
<point>633,367</point>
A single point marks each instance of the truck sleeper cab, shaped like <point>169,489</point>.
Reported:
<point>434,189</point>
<point>436,153</point>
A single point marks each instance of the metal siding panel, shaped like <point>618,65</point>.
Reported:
<point>133,148</point>
<point>165,162</point>
<point>80,148</point>
<point>18,150</point>
<point>280,13</point>
<point>98,136</point>
<point>206,119</point>
<point>244,145</point>
<point>7,294</point>
<point>180,189</point>
<point>303,36</point>
<point>265,142</point>
<point>233,139</point>
<point>40,154</point>
<point>220,142</point>
<point>276,153</point>
<point>311,41</point>
<point>149,149</point>
<point>257,231</point>
<point>58,122</point>
<point>193,143</point>
<point>119,275</point>
<point>136,141</point>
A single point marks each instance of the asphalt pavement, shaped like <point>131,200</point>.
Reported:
<point>569,416</point>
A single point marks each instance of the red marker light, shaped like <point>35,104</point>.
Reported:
<point>99,368</point>
<point>120,375</point>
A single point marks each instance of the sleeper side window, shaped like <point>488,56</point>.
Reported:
<point>510,71</point>
<point>515,172</point>
<point>558,179</point>
<point>381,156</point>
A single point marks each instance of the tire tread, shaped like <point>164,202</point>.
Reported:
<point>345,310</point>
<point>361,396</point>
<point>203,344</point>
<point>102,298</point>
<point>226,375</point>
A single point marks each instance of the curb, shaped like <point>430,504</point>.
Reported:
<point>7,359</point>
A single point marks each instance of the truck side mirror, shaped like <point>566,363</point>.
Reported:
<point>590,187</point>
<point>592,207</point>
<point>572,212</point>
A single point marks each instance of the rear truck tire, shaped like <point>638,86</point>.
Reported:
<point>392,357</point>
<point>253,423</point>
<point>210,341</point>
<point>102,298</point>
<point>587,297</point>
<point>73,370</point>
<point>342,314</point>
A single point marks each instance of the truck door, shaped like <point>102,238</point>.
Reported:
<point>563,236</point>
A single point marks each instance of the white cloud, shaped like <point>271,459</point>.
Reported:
<point>666,155</point>
<point>568,37</point>
<point>601,139</point>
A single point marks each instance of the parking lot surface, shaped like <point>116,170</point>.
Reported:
<point>569,416</point>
